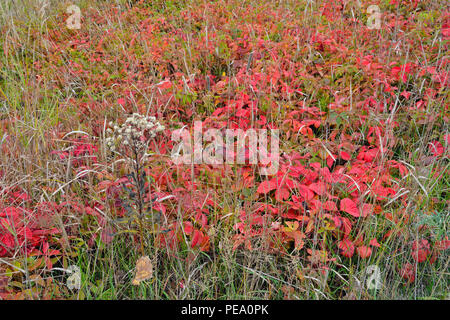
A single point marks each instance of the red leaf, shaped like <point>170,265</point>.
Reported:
<point>345,156</point>
<point>406,94</point>
<point>282,194</point>
<point>408,272</point>
<point>320,188</point>
<point>330,161</point>
<point>204,245</point>
<point>298,238</point>
<point>121,101</point>
<point>442,245</point>
<point>436,148</point>
<point>305,192</point>
<point>330,206</point>
<point>188,228</point>
<point>367,209</point>
<point>420,250</point>
<point>374,243</point>
<point>266,186</point>
<point>166,84</point>
<point>291,214</point>
<point>197,238</point>
<point>202,219</point>
<point>364,252</point>
<point>347,247</point>
<point>350,207</point>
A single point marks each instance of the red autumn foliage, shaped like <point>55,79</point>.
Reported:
<point>350,207</point>
<point>347,247</point>
<point>340,165</point>
<point>420,250</point>
<point>364,251</point>
<point>408,272</point>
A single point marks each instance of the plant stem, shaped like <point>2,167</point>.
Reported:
<point>139,204</point>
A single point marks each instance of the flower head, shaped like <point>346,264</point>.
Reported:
<point>134,133</point>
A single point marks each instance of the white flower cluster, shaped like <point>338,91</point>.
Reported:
<point>134,132</point>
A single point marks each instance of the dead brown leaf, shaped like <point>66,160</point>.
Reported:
<point>144,270</point>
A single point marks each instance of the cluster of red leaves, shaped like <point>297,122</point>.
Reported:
<point>337,172</point>
<point>27,231</point>
<point>80,152</point>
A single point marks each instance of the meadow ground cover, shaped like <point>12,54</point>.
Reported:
<point>99,98</point>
